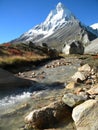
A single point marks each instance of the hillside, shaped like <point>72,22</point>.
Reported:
<point>20,56</point>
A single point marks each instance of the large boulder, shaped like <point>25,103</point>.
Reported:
<point>92,48</point>
<point>75,47</point>
<point>85,115</point>
<point>9,81</point>
<point>48,116</point>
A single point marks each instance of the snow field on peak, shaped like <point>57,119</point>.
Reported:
<point>56,19</point>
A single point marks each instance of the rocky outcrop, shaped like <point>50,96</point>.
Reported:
<point>79,96</point>
<point>48,116</point>
<point>92,48</point>
<point>75,47</point>
<point>85,115</point>
<point>84,88</point>
<point>9,81</point>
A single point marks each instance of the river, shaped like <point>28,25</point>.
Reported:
<point>51,80</point>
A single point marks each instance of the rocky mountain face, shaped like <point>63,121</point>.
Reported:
<point>59,28</point>
<point>92,48</point>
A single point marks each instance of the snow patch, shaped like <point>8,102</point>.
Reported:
<point>94,26</point>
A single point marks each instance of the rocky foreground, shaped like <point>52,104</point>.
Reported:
<point>74,106</point>
<point>78,103</point>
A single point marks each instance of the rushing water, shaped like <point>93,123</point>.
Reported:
<point>12,110</point>
<point>11,101</point>
<point>16,104</point>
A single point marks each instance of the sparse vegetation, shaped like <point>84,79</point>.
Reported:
<point>13,55</point>
<point>92,60</point>
<point>20,55</point>
<point>19,59</point>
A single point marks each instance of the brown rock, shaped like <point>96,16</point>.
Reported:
<point>48,116</point>
<point>71,85</point>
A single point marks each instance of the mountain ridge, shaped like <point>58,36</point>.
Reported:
<point>53,21</point>
<point>60,26</point>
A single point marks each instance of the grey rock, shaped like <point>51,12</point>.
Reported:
<point>92,48</point>
<point>73,100</point>
<point>74,47</point>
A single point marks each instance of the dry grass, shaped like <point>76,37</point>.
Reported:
<point>22,55</point>
<point>11,60</point>
<point>16,56</point>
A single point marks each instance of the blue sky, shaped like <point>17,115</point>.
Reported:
<point>18,16</point>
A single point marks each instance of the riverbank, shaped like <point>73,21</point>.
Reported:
<point>49,79</point>
<point>49,82</point>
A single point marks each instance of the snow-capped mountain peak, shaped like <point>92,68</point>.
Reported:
<point>56,19</point>
<point>60,6</point>
<point>94,26</point>
<point>59,13</point>
<point>59,26</point>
